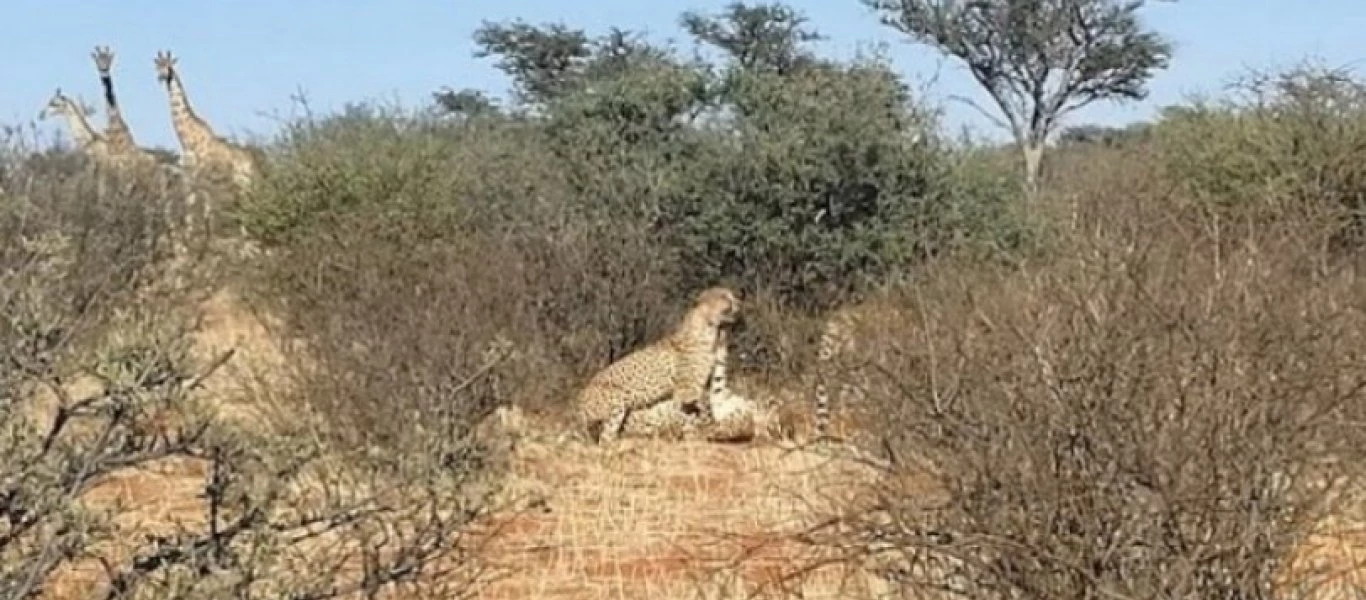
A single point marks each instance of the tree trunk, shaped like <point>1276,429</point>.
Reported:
<point>1033,165</point>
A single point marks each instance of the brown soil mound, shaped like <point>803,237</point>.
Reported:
<point>658,520</point>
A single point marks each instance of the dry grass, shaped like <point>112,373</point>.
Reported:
<point>650,519</point>
<point>1329,564</point>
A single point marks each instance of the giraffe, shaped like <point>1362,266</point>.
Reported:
<point>104,155</point>
<point>118,138</point>
<point>87,139</point>
<point>202,149</point>
<point>116,133</point>
<point>115,129</point>
<point>205,157</point>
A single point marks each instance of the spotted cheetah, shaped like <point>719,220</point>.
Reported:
<point>734,417</point>
<point>842,417</point>
<point>839,384</point>
<point>836,336</point>
<point>676,368</point>
<point>725,416</point>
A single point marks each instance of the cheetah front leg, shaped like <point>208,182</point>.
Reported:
<point>612,425</point>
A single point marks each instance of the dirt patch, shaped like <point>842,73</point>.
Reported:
<point>258,372</point>
<point>647,519</point>
<point>1330,564</point>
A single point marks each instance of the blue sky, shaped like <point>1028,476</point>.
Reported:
<point>243,62</point>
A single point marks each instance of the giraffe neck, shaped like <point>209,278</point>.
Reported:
<point>107,81</point>
<point>115,130</point>
<point>193,132</point>
<point>81,130</point>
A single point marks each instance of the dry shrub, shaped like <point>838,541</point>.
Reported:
<point>80,252</point>
<point>394,321</point>
<point>98,383</point>
<point>1151,413</point>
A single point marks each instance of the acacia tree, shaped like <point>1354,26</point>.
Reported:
<point>763,36</point>
<point>466,103</point>
<point>542,60</point>
<point>551,61</point>
<point>1038,60</point>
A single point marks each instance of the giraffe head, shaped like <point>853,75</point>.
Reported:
<point>165,66</point>
<point>104,59</point>
<point>60,104</point>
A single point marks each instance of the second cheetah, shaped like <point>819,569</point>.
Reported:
<point>837,340</point>
<point>675,368</point>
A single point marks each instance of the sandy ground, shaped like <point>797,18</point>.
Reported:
<point>657,520</point>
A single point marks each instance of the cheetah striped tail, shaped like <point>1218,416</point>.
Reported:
<point>821,410</point>
<point>825,358</point>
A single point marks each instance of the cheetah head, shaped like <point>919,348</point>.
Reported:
<point>719,305</point>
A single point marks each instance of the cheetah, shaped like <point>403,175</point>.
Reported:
<point>841,415</point>
<point>844,371</point>
<point>837,339</point>
<point>676,368</point>
<point>725,416</point>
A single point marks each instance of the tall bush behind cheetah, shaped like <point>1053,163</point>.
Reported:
<point>677,367</point>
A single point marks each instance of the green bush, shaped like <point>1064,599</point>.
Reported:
<point>388,165</point>
<point>786,182</point>
<point>806,186</point>
<point>370,160</point>
<point>1294,140</point>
